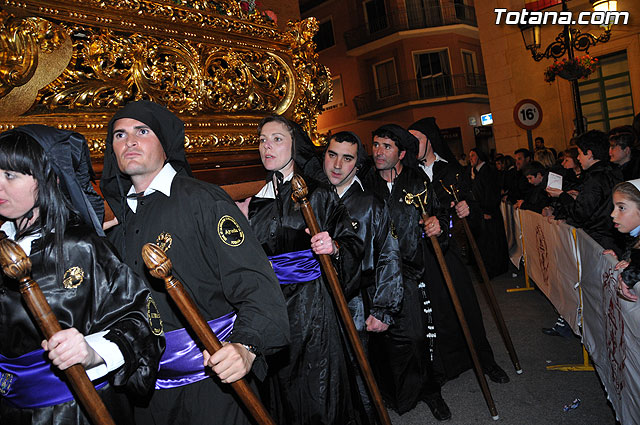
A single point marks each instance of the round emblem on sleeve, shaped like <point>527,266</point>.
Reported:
<point>155,321</point>
<point>229,231</point>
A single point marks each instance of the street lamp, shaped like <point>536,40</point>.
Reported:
<point>567,42</point>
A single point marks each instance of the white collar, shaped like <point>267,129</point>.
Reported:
<point>428,169</point>
<point>161,183</point>
<point>268,192</point>
<point>355,180</point>
<point>9,228</point>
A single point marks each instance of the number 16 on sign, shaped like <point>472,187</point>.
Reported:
<point>528,115</point>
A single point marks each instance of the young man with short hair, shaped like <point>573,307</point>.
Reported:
<point>377,300</point>
<point>147,182</point>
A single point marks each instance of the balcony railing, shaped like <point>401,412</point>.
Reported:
<point>420,89</point>
<point>409,19</point>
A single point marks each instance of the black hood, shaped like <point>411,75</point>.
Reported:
<point>429,128</point>
<point>170,132</point>
<point>69,155</point>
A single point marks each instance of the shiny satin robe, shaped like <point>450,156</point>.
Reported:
<point>402,359</point>
<point>381,279</point>
<point>380,291</point>
<point>109,297</point>
<point>221,274</point>
<point>313,381</point>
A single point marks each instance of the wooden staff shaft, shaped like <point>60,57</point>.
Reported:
<point>345,315</point>
<point>491,298</point>
<point>463,322</point>
<point>212,344</point>
<point>49,325</point>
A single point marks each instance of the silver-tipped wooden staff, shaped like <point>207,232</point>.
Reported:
<point>419,200</point>
<point>17,265</point>
<point>487,289</point>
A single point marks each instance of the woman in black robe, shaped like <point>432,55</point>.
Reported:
<point>104,309</point>
<point>451,355</point>
<point>313,381</point>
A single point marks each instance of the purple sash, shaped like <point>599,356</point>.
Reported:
<point>30,381</point>
<point>182,361</point>
<point>296,267</point>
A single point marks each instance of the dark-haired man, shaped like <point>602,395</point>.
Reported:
<point>377,300</point>
<point>147,181</point>
<point>516,183</point>
<point>405,350</point>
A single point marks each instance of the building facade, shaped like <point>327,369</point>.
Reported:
<point>397,61</point>
<point>610,96</point>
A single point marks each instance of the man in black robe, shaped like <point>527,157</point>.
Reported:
<point>452,354</point>
<point>404,358</point>
<point>214,254</point>
<point>377,299</point>
<point>488,225</point>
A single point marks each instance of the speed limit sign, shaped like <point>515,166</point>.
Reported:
<point>527,114</point>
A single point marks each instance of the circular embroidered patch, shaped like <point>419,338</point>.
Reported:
<point>155,321</point>
<point>229,231</point>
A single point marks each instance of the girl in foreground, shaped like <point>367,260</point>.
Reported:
<point>626,218</point>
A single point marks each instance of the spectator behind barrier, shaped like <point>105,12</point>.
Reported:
<point>626,218</point>
<point>623,151</point>
<point>590,208</point>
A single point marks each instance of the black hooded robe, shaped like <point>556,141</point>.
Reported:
<point>215,256</point>
<point>380,291</point>
<point>452,356</point>
<point>312,382</point>
<point>489,232</point>
<point>108,297</point>
<point>402,359</point>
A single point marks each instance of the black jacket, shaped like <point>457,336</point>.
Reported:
<point>591,210</point>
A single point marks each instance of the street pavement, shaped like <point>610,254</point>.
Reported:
<point>538,395</point>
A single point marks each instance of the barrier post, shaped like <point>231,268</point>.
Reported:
<point>527,282</point>
<point>585,366</point>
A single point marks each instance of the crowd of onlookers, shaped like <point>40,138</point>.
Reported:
<point>573,185</point>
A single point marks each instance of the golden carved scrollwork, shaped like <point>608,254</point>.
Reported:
<point>221,69</point>
<point>313,78</point>
<point>108,70</point>
<point>20,40</point>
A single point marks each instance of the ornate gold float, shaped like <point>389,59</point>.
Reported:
<point>73,63</point>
